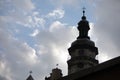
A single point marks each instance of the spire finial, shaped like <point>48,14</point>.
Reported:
<point>83,11</point>
<point>30,72</point>
<point>83,17</point>
<point>57,65</point>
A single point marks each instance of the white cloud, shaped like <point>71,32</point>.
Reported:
<point>32,21</point>
<point>25,5</point>
<point>103,57</point>
<point>36,31</point>
<point>56,14</point>
<point>56,25</point>
<point>107,28</point>
<point>19,49</point>
<point>5,73</point>
<point>61,3</point>
<point>29,55</point>
<point>22,13</point>
<point>39,21</point>
<point>15,55</point>
<point>53,43</point>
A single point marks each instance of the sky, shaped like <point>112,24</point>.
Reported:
<point>35,34</point>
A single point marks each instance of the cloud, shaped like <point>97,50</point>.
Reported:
<point>32,21</point>
<point>56,26</point>
<point>36,31</point>
<point>53,43</point>
<point>62,3</point>
<point>107,28</point>
<point>15,55</point>
<point>25,5</point>
<point>56,14</point>
<point>4,71</point>
<point>13,7</point>
<point>21,12</point>
<point>2,78</point>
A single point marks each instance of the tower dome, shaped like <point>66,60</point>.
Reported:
<point>82,50</point>
<point>83,27</point>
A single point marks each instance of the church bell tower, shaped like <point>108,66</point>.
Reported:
<point>82,50</point>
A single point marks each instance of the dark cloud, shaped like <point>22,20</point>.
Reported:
<point>107,27</point>
<point>2,78</point>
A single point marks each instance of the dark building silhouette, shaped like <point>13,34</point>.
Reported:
<point>30,76</point>
<point>82,50</point>
<point>109,70</point>
<point>83,64</point>
<point>56,74</point>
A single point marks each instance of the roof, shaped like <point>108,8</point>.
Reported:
<point>105,66</point>
<point>30,78</point>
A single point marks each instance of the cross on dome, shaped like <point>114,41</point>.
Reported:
<point>83,11</point>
